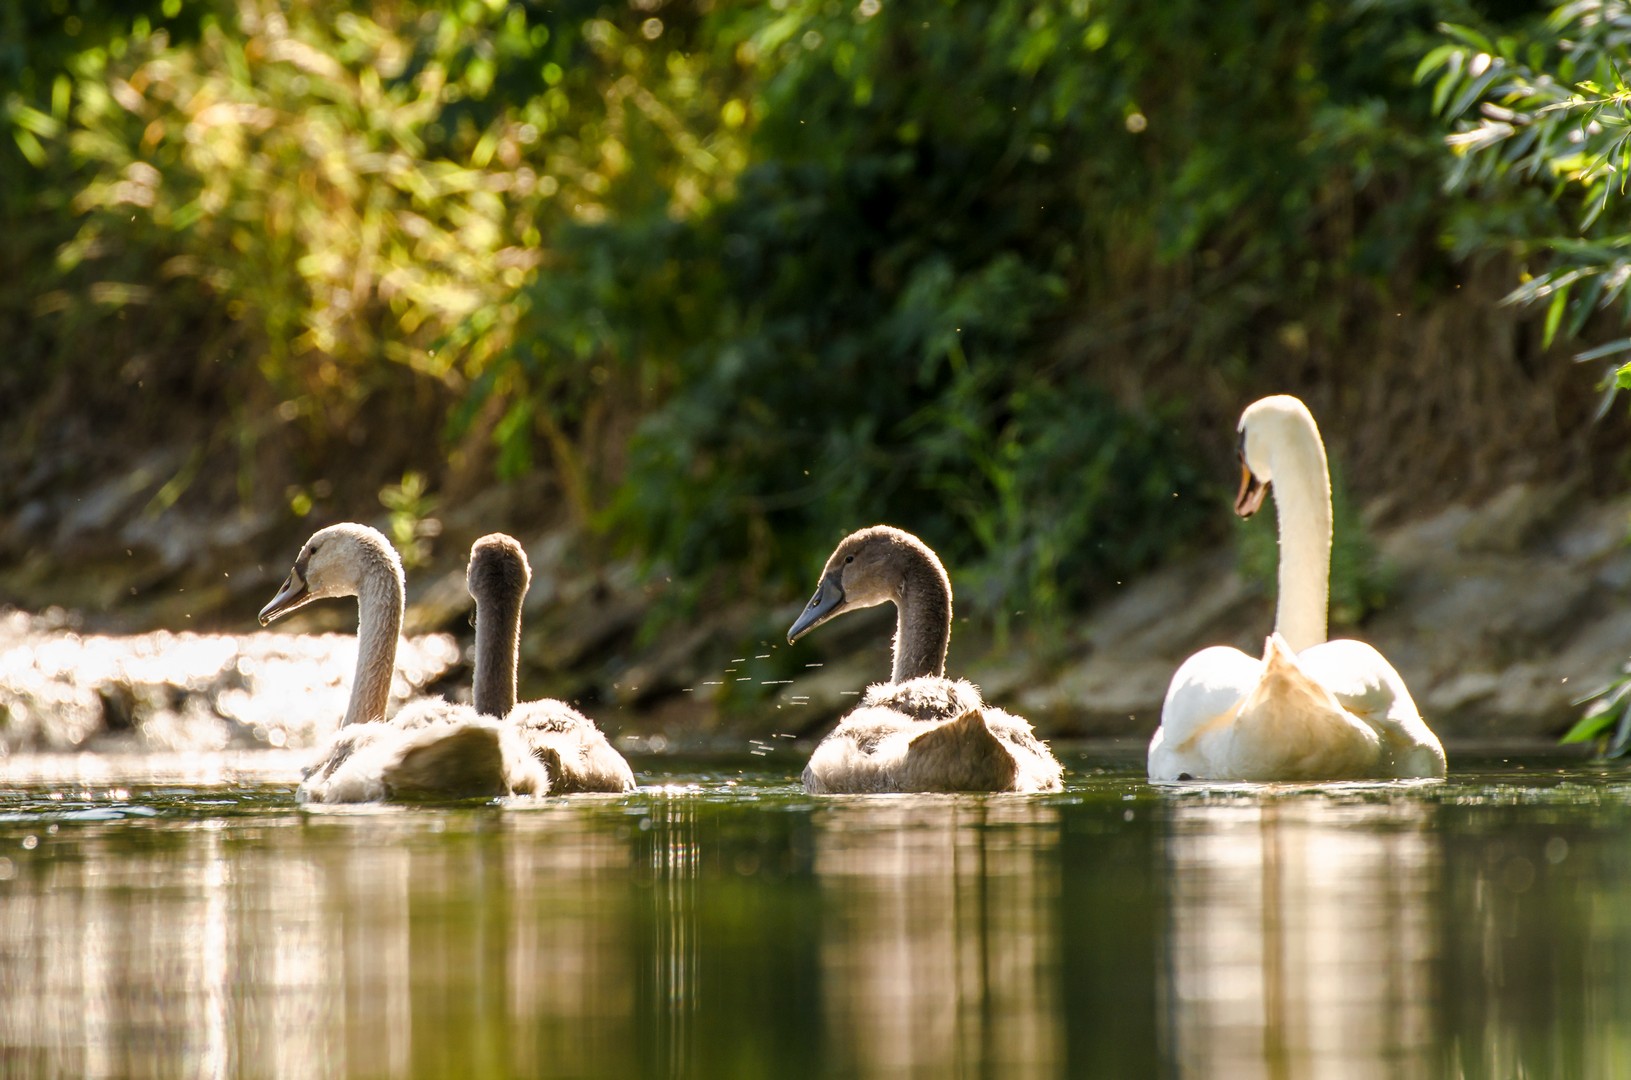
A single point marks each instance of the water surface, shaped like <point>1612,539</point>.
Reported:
<point>179,916</point>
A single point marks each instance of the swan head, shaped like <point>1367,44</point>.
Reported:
<point>1265,425</point>
<point>865,570</point>
<point>334,562</point>
<point>498,569</point>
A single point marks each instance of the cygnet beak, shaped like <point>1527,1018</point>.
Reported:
<point>828,598</point>
<point>293,594</point>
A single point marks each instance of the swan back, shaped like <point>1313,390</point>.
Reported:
<point>430,750</point>
<point>1297,727</point>
<point>1370,689</point>
<point>1230,717</point>
<point>929,697</point>
<point>576,753</point>
<point>878,748</point>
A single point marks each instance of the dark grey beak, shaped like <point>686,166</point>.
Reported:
<point>828,598</point>
<point>293,594</point>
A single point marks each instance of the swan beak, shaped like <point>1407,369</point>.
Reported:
<point>828,598</point>
<point>293,594</point>
<point>1252,491</point>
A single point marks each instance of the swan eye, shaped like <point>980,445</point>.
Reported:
<point>849,559</point>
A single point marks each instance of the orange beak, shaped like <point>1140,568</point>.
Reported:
<point>1252,491</point>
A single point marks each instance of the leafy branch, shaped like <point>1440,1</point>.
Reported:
<point>1553,112</point>
<point>1608,718</point>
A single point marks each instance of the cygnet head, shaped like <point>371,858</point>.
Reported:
<point>498,569</point>
<point>1267,424</point>
<point>867,569</point>
<point>334,562</point>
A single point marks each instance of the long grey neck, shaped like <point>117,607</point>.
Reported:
<point>379,622</point>
<point>923,620</point>
<point>498,644</point>
<point>1302,503</point>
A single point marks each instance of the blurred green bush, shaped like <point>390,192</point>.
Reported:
<point>965,244</point>
<point>740,277</point>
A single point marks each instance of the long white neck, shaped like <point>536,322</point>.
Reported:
<point>379,622</point>
<point>1302,502</point>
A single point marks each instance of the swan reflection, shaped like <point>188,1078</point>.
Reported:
<point>681,932</point>
<point>938,943</point>
<point>1302,939</point>
<point>352,943</point>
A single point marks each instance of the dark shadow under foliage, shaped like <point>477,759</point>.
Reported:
<point>742,278</point>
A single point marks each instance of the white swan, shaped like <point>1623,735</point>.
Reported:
<point>431,748</point>
<point>571,748</point>
<point>920,731</point>
<point>1310,709</point>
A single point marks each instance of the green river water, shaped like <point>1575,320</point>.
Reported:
<point>183,918</point>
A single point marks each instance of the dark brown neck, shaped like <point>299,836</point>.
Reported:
<point>923,620</point>
<point>498,647</point>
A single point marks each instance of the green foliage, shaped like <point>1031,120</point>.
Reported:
<point>1544,129</point>
<point>1068,494</point>
<point>1551,141</point>
<point>325,211</point>
<point>741,278</point>
<point>277,171</point>
<point>410,509</point>
<point>1607,721</point>
<point>869,327</point>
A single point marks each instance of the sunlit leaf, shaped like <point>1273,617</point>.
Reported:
<point>1554,315</point>
<point>1589,727</point>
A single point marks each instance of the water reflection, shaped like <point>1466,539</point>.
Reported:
<point>1302,939</point>
<point>939,935</point>
<point>1534,913</point>
<point>738,927</point>
<point>347,943</point>
<point>674,867</point>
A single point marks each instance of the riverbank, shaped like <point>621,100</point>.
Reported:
<point>1501,615</point>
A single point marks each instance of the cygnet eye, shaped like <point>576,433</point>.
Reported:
<point>849,558</point>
